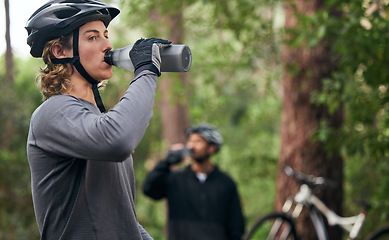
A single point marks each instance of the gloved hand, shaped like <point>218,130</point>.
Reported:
<point>145,54</point>
<point>176,156</point>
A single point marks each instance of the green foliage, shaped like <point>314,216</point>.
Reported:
<point>360,86</point>
<point>18,100</point>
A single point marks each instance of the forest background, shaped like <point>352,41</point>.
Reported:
<point>237,83</point>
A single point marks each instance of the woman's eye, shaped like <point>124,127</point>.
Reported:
<point>92,38</point>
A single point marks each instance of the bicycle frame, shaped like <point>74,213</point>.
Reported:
<point>305,197</point>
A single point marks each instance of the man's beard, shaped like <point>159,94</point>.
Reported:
<point>202,158</point>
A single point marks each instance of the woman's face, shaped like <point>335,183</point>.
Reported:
<point>93,44</point>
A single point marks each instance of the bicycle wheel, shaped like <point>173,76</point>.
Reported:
<point>382,234</point>
<point>272,226</point>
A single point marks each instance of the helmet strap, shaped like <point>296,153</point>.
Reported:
<point>75,61</point>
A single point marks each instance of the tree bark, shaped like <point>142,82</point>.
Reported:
<point>8,54</point>
<point>8,127</point>
<point>305,69</point>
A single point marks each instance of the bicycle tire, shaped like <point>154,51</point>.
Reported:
<point>382,234</point>
<point>262,228</point>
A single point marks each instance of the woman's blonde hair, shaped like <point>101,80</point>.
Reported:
<point>54,78</point>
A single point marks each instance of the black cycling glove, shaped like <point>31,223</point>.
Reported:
<point>145,54</point>
<point>176,156</point>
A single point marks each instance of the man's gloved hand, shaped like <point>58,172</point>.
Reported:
<point>175,156</point>
<point>145,54</point>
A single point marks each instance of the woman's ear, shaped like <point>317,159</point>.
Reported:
<point>60,52</point>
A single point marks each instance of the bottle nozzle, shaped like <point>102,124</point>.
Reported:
<point>108,57</point>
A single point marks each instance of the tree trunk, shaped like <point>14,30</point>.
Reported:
<point>8,127</point>
<point>174,114</point>
<point>173,103</point>
<point>8,54</point>
<point>301,118</point>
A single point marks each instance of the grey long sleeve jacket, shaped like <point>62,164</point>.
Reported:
<point>82,175</point>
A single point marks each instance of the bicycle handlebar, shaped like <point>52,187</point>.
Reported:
<point>309,179</point>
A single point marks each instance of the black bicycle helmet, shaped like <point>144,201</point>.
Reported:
<point>210,134</point>
<point>62,17</point>
<point>59,18</point>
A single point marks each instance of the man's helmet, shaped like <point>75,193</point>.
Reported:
<point>210,134</point>
<point>59,18</point>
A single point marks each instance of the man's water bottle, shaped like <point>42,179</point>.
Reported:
<point>175,58</point>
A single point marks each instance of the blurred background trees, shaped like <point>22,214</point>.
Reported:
<point>242,82</point>
<point>306,66</point>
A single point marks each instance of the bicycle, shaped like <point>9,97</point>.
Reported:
<point>281,225</point>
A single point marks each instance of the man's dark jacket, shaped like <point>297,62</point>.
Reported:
<point>197,211</point>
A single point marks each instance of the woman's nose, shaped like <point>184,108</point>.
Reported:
<point>108,46</point>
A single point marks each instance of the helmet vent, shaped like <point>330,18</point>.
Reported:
<point>69,12</point>
<point>103,11</point>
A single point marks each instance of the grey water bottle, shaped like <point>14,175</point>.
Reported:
<point>175,58</point>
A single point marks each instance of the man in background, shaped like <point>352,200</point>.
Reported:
<point>203,201</point>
